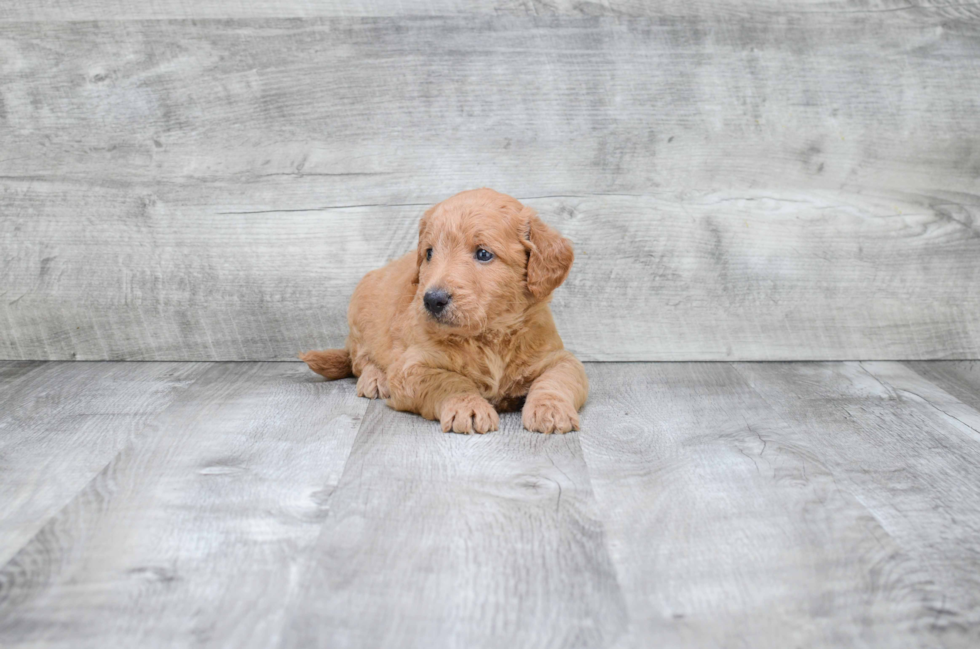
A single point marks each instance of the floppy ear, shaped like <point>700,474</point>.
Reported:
<point>550,256</point>
<point>420,253</point>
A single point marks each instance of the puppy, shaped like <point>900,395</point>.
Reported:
<point>461,328</point>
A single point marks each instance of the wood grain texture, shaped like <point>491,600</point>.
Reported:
<point>170,9</point>
<point>959,378</point>
<point>702,504</point>
<point>192,535</point>
<point>750,187</point>
<point>945,405</point>
<point>443,540</point>
<point>726,528</point>
<point>62,423</point>
<point>895,444</point>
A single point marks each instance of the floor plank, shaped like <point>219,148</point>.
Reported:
<point>726,528</point>
<point>61,424</point>
<point>191,535</point>
<point>911,463</point>
<point>441,540</point>
<point>909,385</point>
<point>961,379</point>
<point>703,504</point>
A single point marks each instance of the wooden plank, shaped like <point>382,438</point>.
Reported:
<point>764,505</point>
<point>213,190</point>
<point>12,372</point>
<point>737,518</point>
<point>170,9</point>
<point>192,535</point>
<point>764,279</point>
<point>895,446</point>
<point>961,379</point>
<point>62,423</point>
<point>442,540</point>
<point>944,406</point>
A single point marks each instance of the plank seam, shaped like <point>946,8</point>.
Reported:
<point>178,392</point>
<point>975,435</point>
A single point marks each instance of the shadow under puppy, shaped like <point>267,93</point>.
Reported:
<point>461,328</point>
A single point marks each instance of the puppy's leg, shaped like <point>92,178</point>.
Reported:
<point>440,394</point>
<point>373,383</point>
<point>554,398</point>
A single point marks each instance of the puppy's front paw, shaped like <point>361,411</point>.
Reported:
<point>468,413</point>
<point>549,415</point>
<point>373,383</point>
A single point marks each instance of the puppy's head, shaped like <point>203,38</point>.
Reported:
<point>483,259</point>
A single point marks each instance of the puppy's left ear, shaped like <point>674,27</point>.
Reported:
<point>550,256</point>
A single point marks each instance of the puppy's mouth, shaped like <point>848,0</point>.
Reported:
<point>446,318</point>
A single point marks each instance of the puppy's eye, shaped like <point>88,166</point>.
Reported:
<point>483,255</point>
<point>428,254</point>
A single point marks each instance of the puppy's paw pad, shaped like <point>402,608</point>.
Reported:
<point>468,413</point>
<point>549,416</point>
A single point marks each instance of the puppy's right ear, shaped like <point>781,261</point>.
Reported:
<point>550,256</point>
<point>420,252</point>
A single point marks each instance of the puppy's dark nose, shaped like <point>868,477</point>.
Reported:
<point>436,300</point>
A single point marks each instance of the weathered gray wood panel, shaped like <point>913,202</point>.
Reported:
<point>771,279</point>
<point>193,535</point>
<point>815,507</point>
<point>710,504</point>
<point>959,378</point>
<point>61,424</point>
<point>170,9</point>
<point>944,402</point>
<point>762,186</point>
<point>442,540</point>
<point>895,444</point>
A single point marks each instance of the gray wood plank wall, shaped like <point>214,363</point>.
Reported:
<point>752,180</point>
<point>169,9</point>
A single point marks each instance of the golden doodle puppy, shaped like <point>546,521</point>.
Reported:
<point>461,328</point>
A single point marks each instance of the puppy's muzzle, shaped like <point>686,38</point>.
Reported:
<point>436,301</point>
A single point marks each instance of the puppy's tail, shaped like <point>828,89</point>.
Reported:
<point>330,363</point>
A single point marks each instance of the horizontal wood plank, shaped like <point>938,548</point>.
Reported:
<point>741,187</point>
<point>757,277</point>
<point>169,9</point>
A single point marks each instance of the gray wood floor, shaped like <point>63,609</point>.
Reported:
<point>703,504</point>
